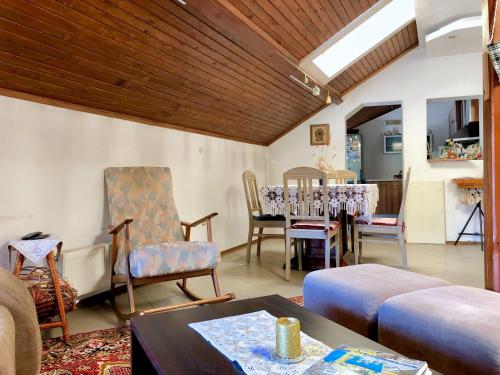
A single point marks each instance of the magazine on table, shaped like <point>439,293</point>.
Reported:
<point>347,360</point>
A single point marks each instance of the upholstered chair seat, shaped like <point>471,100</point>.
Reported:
<point>172,257</point>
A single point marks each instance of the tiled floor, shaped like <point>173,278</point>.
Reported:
<point>460,265</point>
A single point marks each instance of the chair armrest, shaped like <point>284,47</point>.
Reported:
<point>199,221</point>
<point>119,227</point>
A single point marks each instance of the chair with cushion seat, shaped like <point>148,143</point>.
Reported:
<point>256,219</point>
<point>383,228</point>
<point>155,248</point>
<point>310,222</point>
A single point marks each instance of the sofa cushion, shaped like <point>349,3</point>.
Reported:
<point>315,225</point>
<point>352,296</point>
<point>269,217</point>
<point>172,257</point>
<point>453,328</point>
<point>15,297</point>
<point>7,343</point>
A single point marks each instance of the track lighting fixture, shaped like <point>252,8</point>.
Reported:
<point>316,91</point>
<point>328,98</point>
<point>306,80</point>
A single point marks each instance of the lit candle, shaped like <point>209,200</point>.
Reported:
<point>288,338</point>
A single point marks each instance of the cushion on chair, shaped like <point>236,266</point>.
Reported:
<point>453,328</point>
<point>318,225</point>
<point>269,217</point>
<point>172,257</point>
<point>378,220</point>
<point>352,296</point>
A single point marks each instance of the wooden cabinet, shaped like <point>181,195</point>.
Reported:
<point>390,195</point>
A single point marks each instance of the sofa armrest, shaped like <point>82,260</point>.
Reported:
<point>7,343</point>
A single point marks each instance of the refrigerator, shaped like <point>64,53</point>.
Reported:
<point>353,154</point>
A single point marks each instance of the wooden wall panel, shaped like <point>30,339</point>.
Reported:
<point>201,67</point>
<point>369,113</point>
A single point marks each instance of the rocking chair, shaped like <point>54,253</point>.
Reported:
<point>155,248</point>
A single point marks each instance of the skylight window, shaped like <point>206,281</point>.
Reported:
<point>391,18</point>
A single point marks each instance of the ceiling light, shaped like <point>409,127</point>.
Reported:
<point>181,2</point>
<point>316,91</point>
<point>301,83</point>
<point>328,98</point>
<point>306,80</point>
<point>388,20</point>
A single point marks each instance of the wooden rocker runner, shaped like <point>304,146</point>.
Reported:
<point>154,248</point>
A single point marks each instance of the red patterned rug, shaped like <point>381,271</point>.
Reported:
<point>104,352</point>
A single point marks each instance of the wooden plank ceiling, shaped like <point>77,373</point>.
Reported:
<point>218,67</point>
<point>369,113</point>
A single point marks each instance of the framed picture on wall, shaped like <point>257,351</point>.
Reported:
<point>320,135</point>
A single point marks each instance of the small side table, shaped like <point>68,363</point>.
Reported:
<point>473,194</point>
<point>62,322</point>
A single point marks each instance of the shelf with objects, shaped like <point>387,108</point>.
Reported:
<point>454,129</point>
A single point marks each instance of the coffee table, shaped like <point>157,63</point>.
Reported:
<point>164,343</point>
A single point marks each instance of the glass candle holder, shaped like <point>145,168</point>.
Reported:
<point>288,338</point>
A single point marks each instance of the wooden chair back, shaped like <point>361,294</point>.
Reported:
<point>403,200</point>
<point>305,179</point>
<point>344,176</point>
<point>251,193</point>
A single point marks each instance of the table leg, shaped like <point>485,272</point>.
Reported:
<point>60,304</point>
<point>343,223</point>
<point>19,264</point>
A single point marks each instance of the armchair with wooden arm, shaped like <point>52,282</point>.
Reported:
<point>154,246</point>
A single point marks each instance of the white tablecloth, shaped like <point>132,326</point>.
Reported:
<point>354,198</point>
<point>250,340</point>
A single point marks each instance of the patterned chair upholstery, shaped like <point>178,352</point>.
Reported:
<point>157,241</point>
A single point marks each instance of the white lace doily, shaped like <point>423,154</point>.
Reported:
<point>250,340</point>
<point>35,250</point>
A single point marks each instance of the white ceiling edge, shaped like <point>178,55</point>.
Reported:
<point>464,35</point>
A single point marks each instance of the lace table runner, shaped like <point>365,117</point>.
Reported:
<point>471,195</point>
<point>249,340</point>
<point>354,198</point>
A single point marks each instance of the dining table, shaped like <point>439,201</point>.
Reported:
<point>344,200</point>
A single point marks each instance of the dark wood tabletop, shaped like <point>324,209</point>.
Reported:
<point>164,343</point>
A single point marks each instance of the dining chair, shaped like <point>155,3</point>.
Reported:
<point>344,176</point>
<point>309,221</point>
<point>256,218</point>
<point>383,228</point>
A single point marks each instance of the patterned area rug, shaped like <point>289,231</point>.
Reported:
<point>104,352</point>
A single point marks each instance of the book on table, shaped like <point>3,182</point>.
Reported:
<point>348,360</point>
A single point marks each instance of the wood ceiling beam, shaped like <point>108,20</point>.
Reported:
<point>236,26</point>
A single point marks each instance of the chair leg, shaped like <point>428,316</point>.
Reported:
<point>327,252</point>
<point>130,291</point>
<point>355,244</point>
<point>249,242</point>
<point>299,251</point>
<point>259,241</point>
<point>215,281</point>
<point>287,258</point>
<point>337,249</point>
<point>360,246</point>
<point>402,249</point>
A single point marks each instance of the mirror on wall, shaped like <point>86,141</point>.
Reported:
<point>454,128</point>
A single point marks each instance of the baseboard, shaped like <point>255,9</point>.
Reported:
<point>244,244</point>
<point>463,243</point>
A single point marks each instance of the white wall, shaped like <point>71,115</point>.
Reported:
<point>411,80</point>
<point>378,165</point>
<point>52,163</point>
